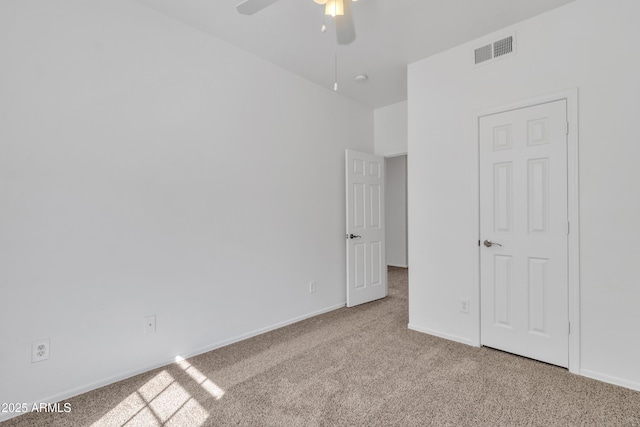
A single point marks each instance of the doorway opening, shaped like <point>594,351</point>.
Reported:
<point>396,211</point>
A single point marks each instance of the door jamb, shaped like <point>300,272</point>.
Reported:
<point>573,211</point>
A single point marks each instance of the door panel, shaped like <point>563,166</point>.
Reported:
<point>503,196</point>
<point>538,307</point>
<point>538,191</point>
<point>366,261</point>
<point>502,282</point>
<point>523,209</point>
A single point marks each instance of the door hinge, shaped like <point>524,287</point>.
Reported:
<point>569,328</point>
<point>568,227</point>
<point>478,242</point>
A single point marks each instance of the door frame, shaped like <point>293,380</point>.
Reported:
<point>573,183</point>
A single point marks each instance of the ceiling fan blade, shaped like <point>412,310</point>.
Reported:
<point>345,30</point>
<point>249,7</point>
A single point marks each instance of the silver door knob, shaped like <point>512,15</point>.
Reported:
<point>489,243</point>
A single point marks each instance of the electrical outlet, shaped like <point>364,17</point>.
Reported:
<point>40,350</point>
<point>312,287</point>
<point>150,324</point>
<point>464,306</point>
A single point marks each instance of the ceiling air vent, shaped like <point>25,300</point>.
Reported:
<point>495,50</point>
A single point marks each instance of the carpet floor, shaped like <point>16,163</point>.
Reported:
<point>351,367</point>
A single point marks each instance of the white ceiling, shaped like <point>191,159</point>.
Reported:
<point>390,35</point>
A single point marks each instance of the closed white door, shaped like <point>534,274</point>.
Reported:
<point>523,231</point>
<point>366,261</point>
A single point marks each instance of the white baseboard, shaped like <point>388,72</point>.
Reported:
<point>583,372</point>
<point>398,265</point>
<point>123,376</point>
<point>259,332</point>
<point>441,335</point>
<point>609,379</point>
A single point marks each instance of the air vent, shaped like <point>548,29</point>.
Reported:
<point>502,47</point>
<point>495,50</point>
<point>484,53</point>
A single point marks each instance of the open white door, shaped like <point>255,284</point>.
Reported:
<point>523,226</point>
<point>366,261</point>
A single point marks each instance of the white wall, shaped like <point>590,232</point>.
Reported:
<point>589,44</point>
<point>146,168</point>
<point>390,130</point>
<point>396,210</point>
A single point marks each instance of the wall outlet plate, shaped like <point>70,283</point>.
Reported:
<point>40,350</point>
<point>150,324</point>
<point>312,287</point>
<point>464,306</point>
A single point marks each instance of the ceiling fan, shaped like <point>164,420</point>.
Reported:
<point>339,9</point>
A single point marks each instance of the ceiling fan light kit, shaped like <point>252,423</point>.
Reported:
<point>334,7</point>
<point>340,10</point>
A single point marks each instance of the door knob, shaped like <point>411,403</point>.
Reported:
<point>489,243</point>
<point>353,236</point>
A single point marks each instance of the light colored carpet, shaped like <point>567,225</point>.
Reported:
<point>352,367</point>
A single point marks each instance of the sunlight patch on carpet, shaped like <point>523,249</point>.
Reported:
<point>162,401</point>
<point>204,381</point>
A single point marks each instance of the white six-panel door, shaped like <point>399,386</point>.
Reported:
<point>523,212</point>
<point>366,260</point>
